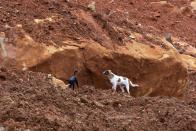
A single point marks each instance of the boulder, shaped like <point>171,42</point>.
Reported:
<point>158,71</point>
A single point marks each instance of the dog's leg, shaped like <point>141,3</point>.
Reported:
<point>114,87</point>
<point>122,88</point>
<point>72,86</point>
<point>127,87</point>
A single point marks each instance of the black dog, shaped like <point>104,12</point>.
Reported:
<point>73,80</point>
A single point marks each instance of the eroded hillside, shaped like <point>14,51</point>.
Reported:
<point>151,42</point>
<point>124,36</point>
<point>29,102</point>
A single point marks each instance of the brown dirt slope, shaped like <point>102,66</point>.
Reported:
<point>28,101</point>
<point>111,23</point>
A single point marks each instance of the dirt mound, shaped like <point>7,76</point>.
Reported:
<point>157,17</point>
<point>28,101</point>
<point>50,24</point>
<point>56,36</point>
<point>111,23</point>
<point>125,36</point>
<point>140,63</point>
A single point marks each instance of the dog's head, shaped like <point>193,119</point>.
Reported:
<point>107,72</point>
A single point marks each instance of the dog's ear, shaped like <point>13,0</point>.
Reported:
<point>109,71</point>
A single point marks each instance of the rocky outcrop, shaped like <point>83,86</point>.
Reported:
<point>65,36</point>
<point>158,71</point>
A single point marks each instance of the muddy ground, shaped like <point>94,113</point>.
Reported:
<point>29,101</point>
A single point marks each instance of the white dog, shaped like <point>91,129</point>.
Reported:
<point>119,81</point>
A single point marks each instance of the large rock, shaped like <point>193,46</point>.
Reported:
<point>158,71</point>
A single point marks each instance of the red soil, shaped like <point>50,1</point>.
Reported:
<point>154,18</point>
<point>28,101</point>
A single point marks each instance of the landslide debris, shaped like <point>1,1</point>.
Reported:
<point>29,102</point>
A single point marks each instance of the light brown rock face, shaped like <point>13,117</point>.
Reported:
<point>74,37</point>
<point>161,74</point>
<point>158,71</point>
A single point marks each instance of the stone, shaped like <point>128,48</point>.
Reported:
<point>92,6</point>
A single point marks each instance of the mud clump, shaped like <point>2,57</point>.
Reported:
<point>29,101</point>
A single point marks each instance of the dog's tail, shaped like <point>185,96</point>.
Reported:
<point>133,85</point>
